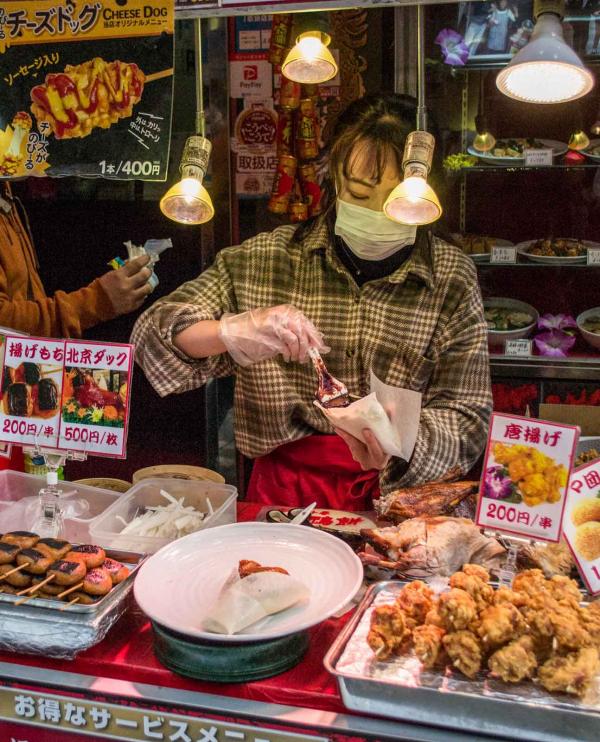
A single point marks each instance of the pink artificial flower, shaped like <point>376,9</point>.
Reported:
<point>556,322</point>
<point>554,343</point>
<point>454,49</point>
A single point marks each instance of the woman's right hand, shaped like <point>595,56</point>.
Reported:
<point>264,333</point>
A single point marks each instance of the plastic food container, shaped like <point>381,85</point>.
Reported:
<point>106,529</point>
<point>15,486</point>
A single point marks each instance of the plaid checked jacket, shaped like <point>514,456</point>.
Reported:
<point>422,327</point>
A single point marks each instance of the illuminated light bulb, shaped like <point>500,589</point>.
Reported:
<point>310,62</point>
<point>546,70</point>
<point>595,129</point>
<point>579,140</point>
<point>414,202</point>
<point>188,201</point>
<point>484,140</point>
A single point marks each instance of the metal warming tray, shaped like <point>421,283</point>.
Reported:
<point>400,689</point>
<point>55,629</point>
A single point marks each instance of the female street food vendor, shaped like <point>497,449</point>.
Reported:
<point>383,296</point>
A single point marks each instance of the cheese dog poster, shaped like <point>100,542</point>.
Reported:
<point>86,88</point>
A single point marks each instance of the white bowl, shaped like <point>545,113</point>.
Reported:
<point>590,337</point>
<point>499,337</point>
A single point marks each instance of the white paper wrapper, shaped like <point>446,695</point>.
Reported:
<point>243,602</point>
<point>392,414</point>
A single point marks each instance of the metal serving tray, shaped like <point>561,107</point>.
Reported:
<point>56,629</point>
<point>400,689</point>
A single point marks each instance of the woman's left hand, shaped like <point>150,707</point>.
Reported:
<point>369,455</point>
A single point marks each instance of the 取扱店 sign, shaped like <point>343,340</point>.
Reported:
<point>70,395</point>
<point>86,88</point>
<point>581,525</point>
<point>525,476</point>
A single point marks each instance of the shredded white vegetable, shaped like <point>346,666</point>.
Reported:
<point>166,521</point>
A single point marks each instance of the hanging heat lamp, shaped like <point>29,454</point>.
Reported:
<point>546,70</point>
<point>188,201</point>
<point>309,61</point>
<point>413,201</point>
<point>484,140</point>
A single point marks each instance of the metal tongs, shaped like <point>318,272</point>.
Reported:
<point>331,391</point>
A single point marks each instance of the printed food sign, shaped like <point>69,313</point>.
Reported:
<point>86,88</point>
<point>72,395</point>
<point>581,526</point>
<point>525,476</point>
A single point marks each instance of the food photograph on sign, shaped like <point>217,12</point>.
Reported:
<point>78,97</point>
<point>31,390</point>
<point>95,397</point>
<point>582,522</point>
<point>525,476</point>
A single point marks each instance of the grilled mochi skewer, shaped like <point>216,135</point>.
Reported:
<point>97,582</point>
<point>92,556</point>
<point>62,572</point>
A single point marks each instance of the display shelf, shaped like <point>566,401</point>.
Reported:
<point>584,368</point>
<point>531,264</point>
<point>513,168</point>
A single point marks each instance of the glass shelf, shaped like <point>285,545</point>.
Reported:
<point>491,168</point>
<point>529,264</point>
<point>583,368</point>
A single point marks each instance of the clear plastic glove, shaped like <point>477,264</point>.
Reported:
<point>264,333</point>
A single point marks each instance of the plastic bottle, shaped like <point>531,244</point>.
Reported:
<point>50,520</point>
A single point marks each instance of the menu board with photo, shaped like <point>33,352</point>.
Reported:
<point>71,395</point>
<point>525,476</point>
<point>86,88</point>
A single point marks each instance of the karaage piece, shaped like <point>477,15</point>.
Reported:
<point>569,634</point>
<point>478,589</point>
<point>428,644</point>
<point>500,624</point>
<point>565,591</point>
<point>476,570</point>
<point>464,652</point>
<point>571,673</point>
<point>506,595</point>
<point>388,631</point>
<point>590,617</point>
<point>416,600</point>
<point>514,662</point>
<point>532,582</point>
<point>457,609</point>
<point>433,618</point>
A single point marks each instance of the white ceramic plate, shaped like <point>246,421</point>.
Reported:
<point>593,143</point>
<point>523,249</point>
<point>178,585</point>
<point>559,149</point>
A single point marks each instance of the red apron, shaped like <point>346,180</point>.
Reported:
<point>318,467</point>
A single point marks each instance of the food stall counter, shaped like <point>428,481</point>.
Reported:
<point>121,677</point>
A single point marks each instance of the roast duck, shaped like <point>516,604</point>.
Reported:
<point>25,392</point>
<point>442,497</point>
<point>81,385</point>
<point>424,546</point>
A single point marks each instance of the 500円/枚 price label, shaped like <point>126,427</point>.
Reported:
<point>129,168</point>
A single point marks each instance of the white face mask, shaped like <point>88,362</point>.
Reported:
<point>370,234</point>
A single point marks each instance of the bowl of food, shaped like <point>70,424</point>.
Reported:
<point>508,319</point>
<point>588,323</point>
